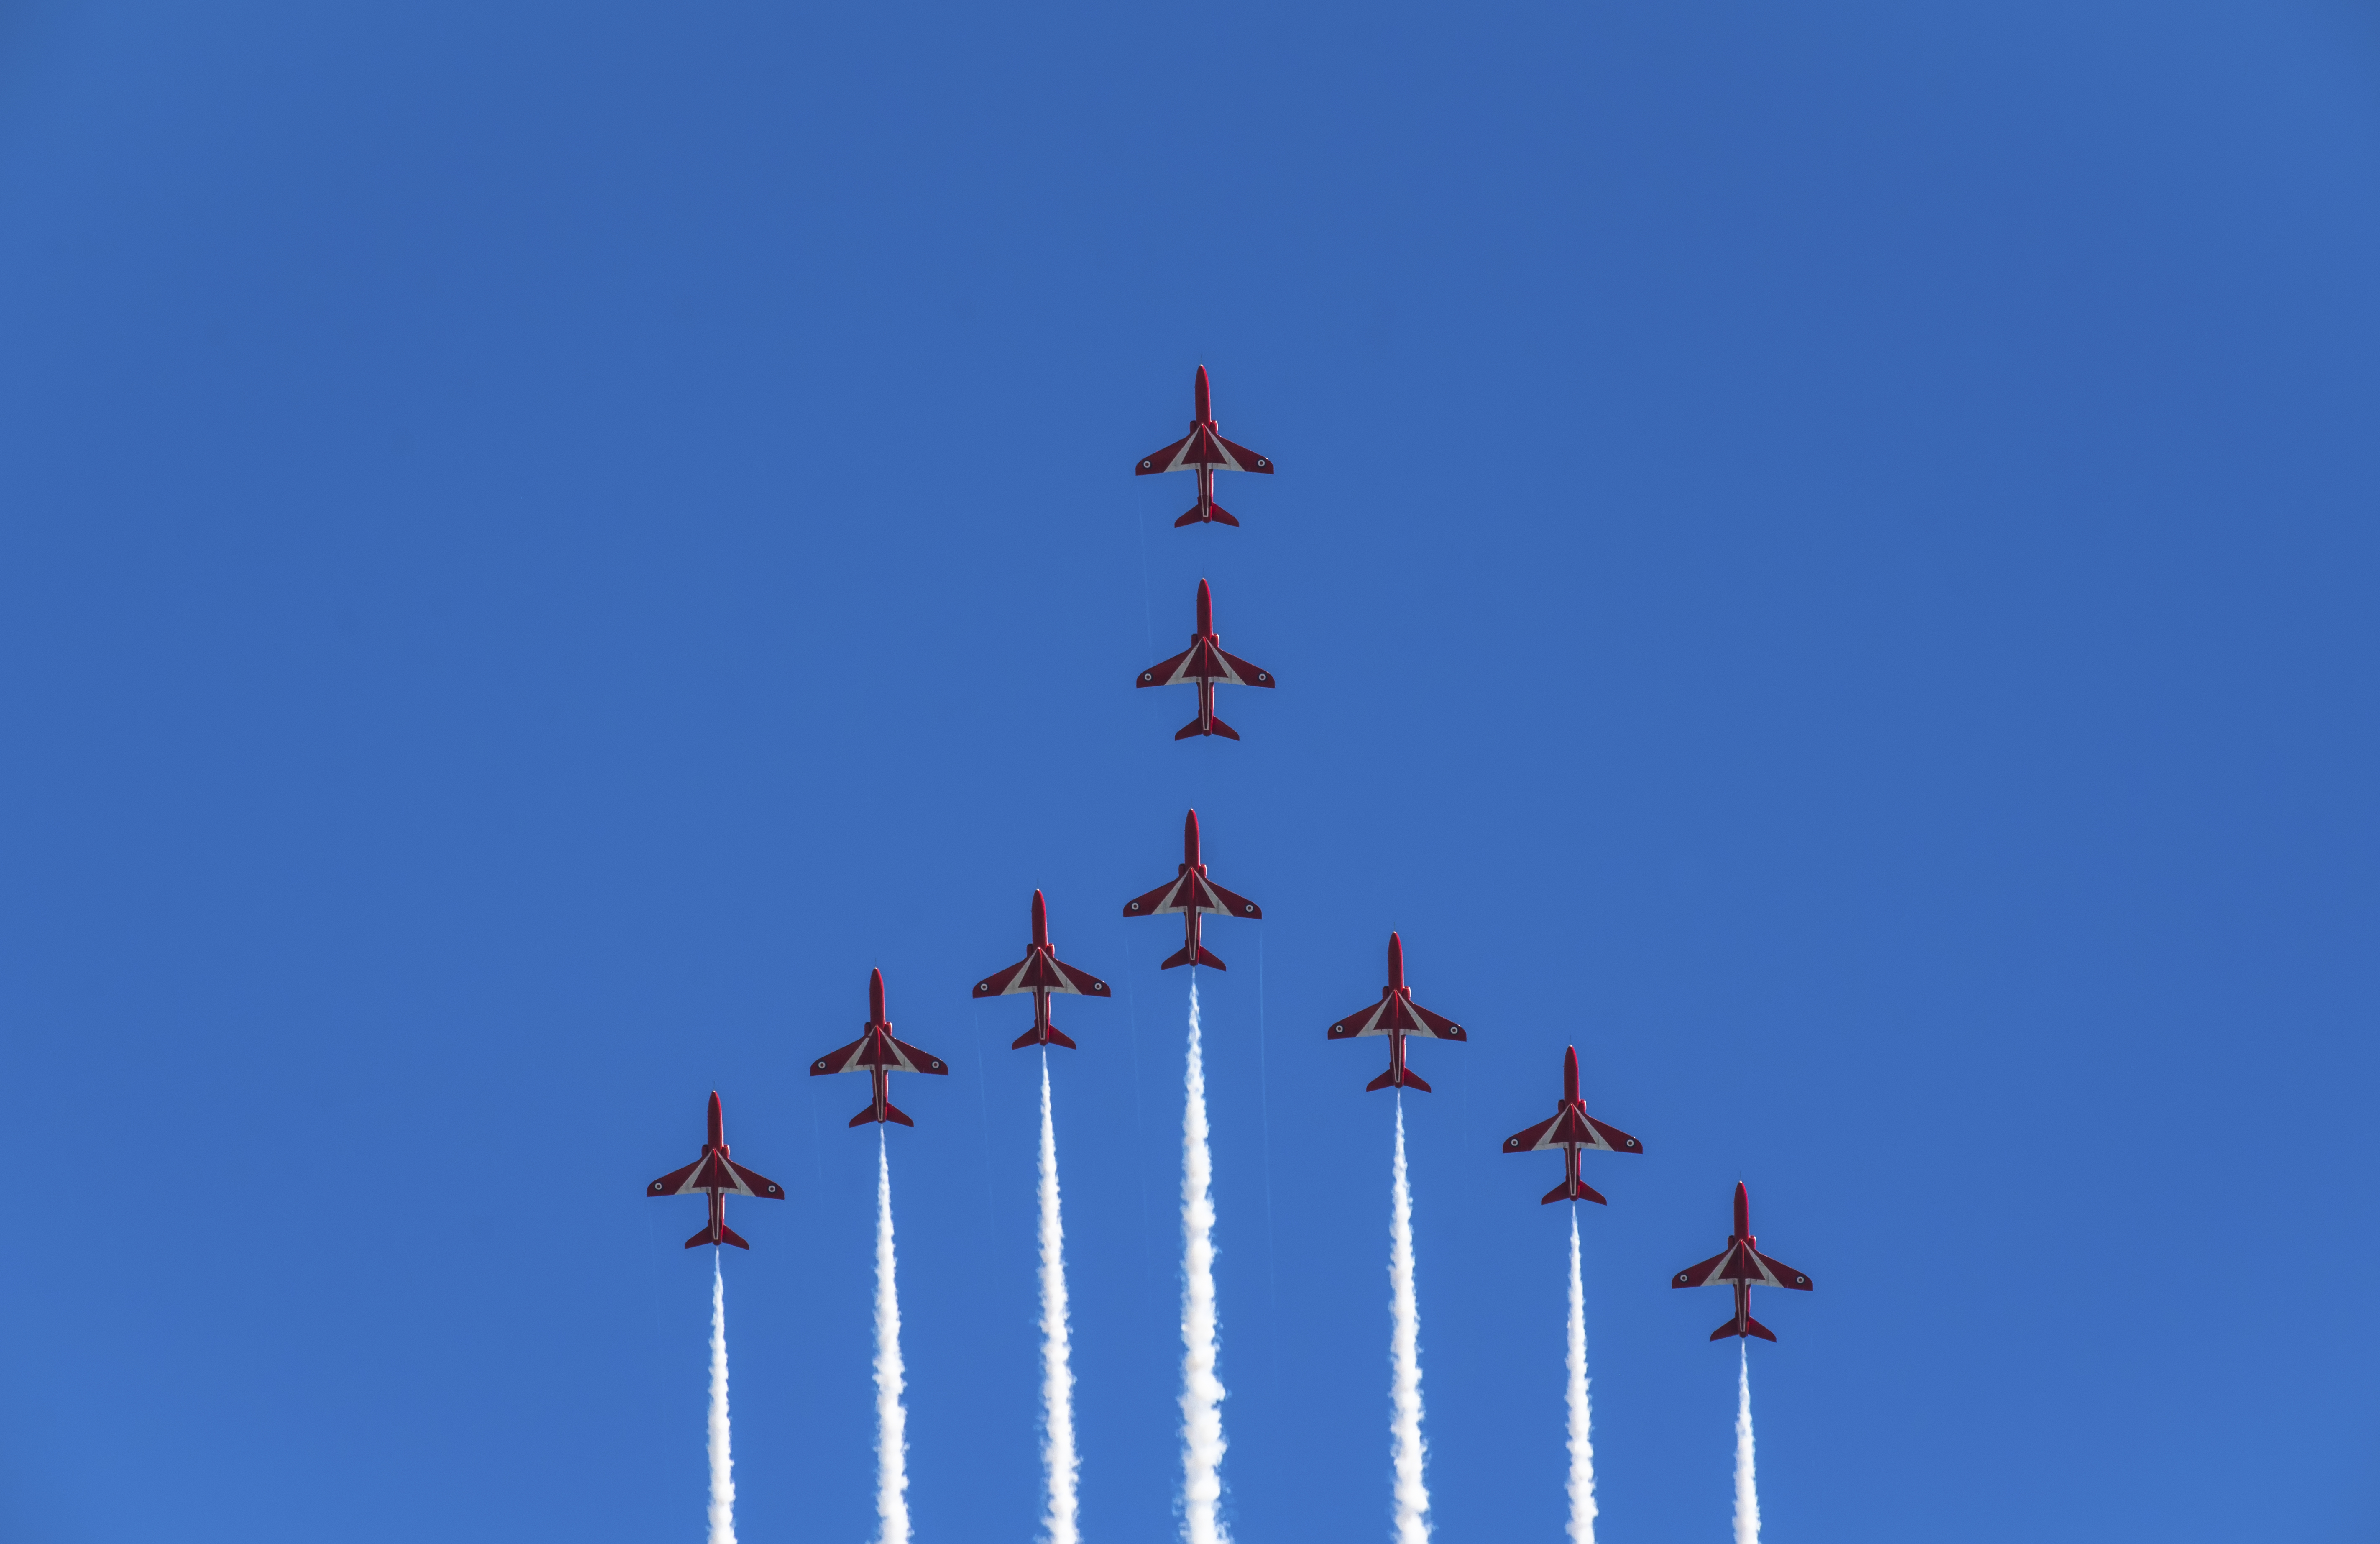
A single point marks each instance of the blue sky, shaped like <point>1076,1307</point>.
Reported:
<point>1822,554</point>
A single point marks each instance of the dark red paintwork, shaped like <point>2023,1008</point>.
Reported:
<point>716,1175</point>
<point>1192,893</point>
<point>1575,1131</point>
<point>1042,972</point>
<point>877,1054</point>
<point>1741,1266</point>
<point>1396,1014</point>
<point>1205,451</point>
<point>1205,664</point>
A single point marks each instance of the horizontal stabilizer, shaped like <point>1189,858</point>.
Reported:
<point>1751,1327</point>
<point>1182,957</point>
<point>1388,1080</point>
<point>891,1114</point>
<point>1566,1191</point>
<point>1215,511</point>
<point>1214,726</point>
<point>1034,1037</point>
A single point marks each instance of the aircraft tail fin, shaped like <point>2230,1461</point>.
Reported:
<point>1751,1326</point>
<point>891,1114</point>
<point>1215,511</point>
<point>1566,1191</point>
<point>1212,726</point>
<point>1034,1037</point>
<point>1390,1079</point>
<point>1184,956</point>
<point>727,1236</point>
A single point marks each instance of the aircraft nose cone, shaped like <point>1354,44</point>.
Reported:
<point>876,997</point>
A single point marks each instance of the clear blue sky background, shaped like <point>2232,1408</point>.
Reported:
<point>1823,553</point>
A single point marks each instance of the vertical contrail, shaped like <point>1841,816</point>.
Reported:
<point>891,1421</point>
<point>1202,1394</point>
<point>1747,1498</point>
<point>1581,1450</point>
<point>1057,1376</point>
<point>1405,1355</point>
<point>723,1466</point>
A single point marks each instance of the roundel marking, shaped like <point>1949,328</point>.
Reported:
<point>1262,462</point>
<point>1144,466</point>
<point>1262,676</point>
<point>1147,674</point>
<point>1681,1275</point>
<point>1800,1281</point>
<point>1632,1141</point>
<point>773,1190</point>
<point>1252,909</point>
<point>1133,906</point>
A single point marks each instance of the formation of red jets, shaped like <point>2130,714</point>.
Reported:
<point>1191,895</point>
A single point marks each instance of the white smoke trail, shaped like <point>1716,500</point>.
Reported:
<point>1405,1355</point>
<point>891,1421</point>
<point>723,1466</point>
<point>1057,1376</point>
<point>1747,1498</point>
<point>1582,1451</point>
<point>1202,1393</point>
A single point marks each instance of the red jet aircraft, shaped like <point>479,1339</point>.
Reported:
<point>1742,1267</point>
<point>1575,1131</point>
<point>1396,1014</point>
<point>1190,893</point>
<point>877,1054</point>
<point>1042,972</point>
<point>1207,452</point>
<point>714,1173</point>
<point>1205,663</point>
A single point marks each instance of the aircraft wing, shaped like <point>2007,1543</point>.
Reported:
<point>1007,980</point>
<point>760,1185</point>
<point>1167,673</point>
<point>1162,899</point>
<point>911,1059</point>
<point>1614,1139</point>
<point>1171,458</point>
<point>1784,1275</point>
<point>1534,1139</point>
<point>1706,1272</point>
<point>1243,458</point>
<point>1241,673</point>
<point>1221,899</point>
<point>1435,1026</point>
<point>674,1184</point>
<point>1369,1019</point>
<point>1082,983</point>
<point>841,1059</point>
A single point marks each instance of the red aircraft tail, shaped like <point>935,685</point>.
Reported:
<point>1215,511</point>
<point>1182,957</point>
<point>727,1236</point>
<point>1566,1191</point>
<point>1214,726</point>
<point>1388,1080</point>
<point>1031,1037</point>
<point>1751,1327</point>
<point>891,1114</point>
